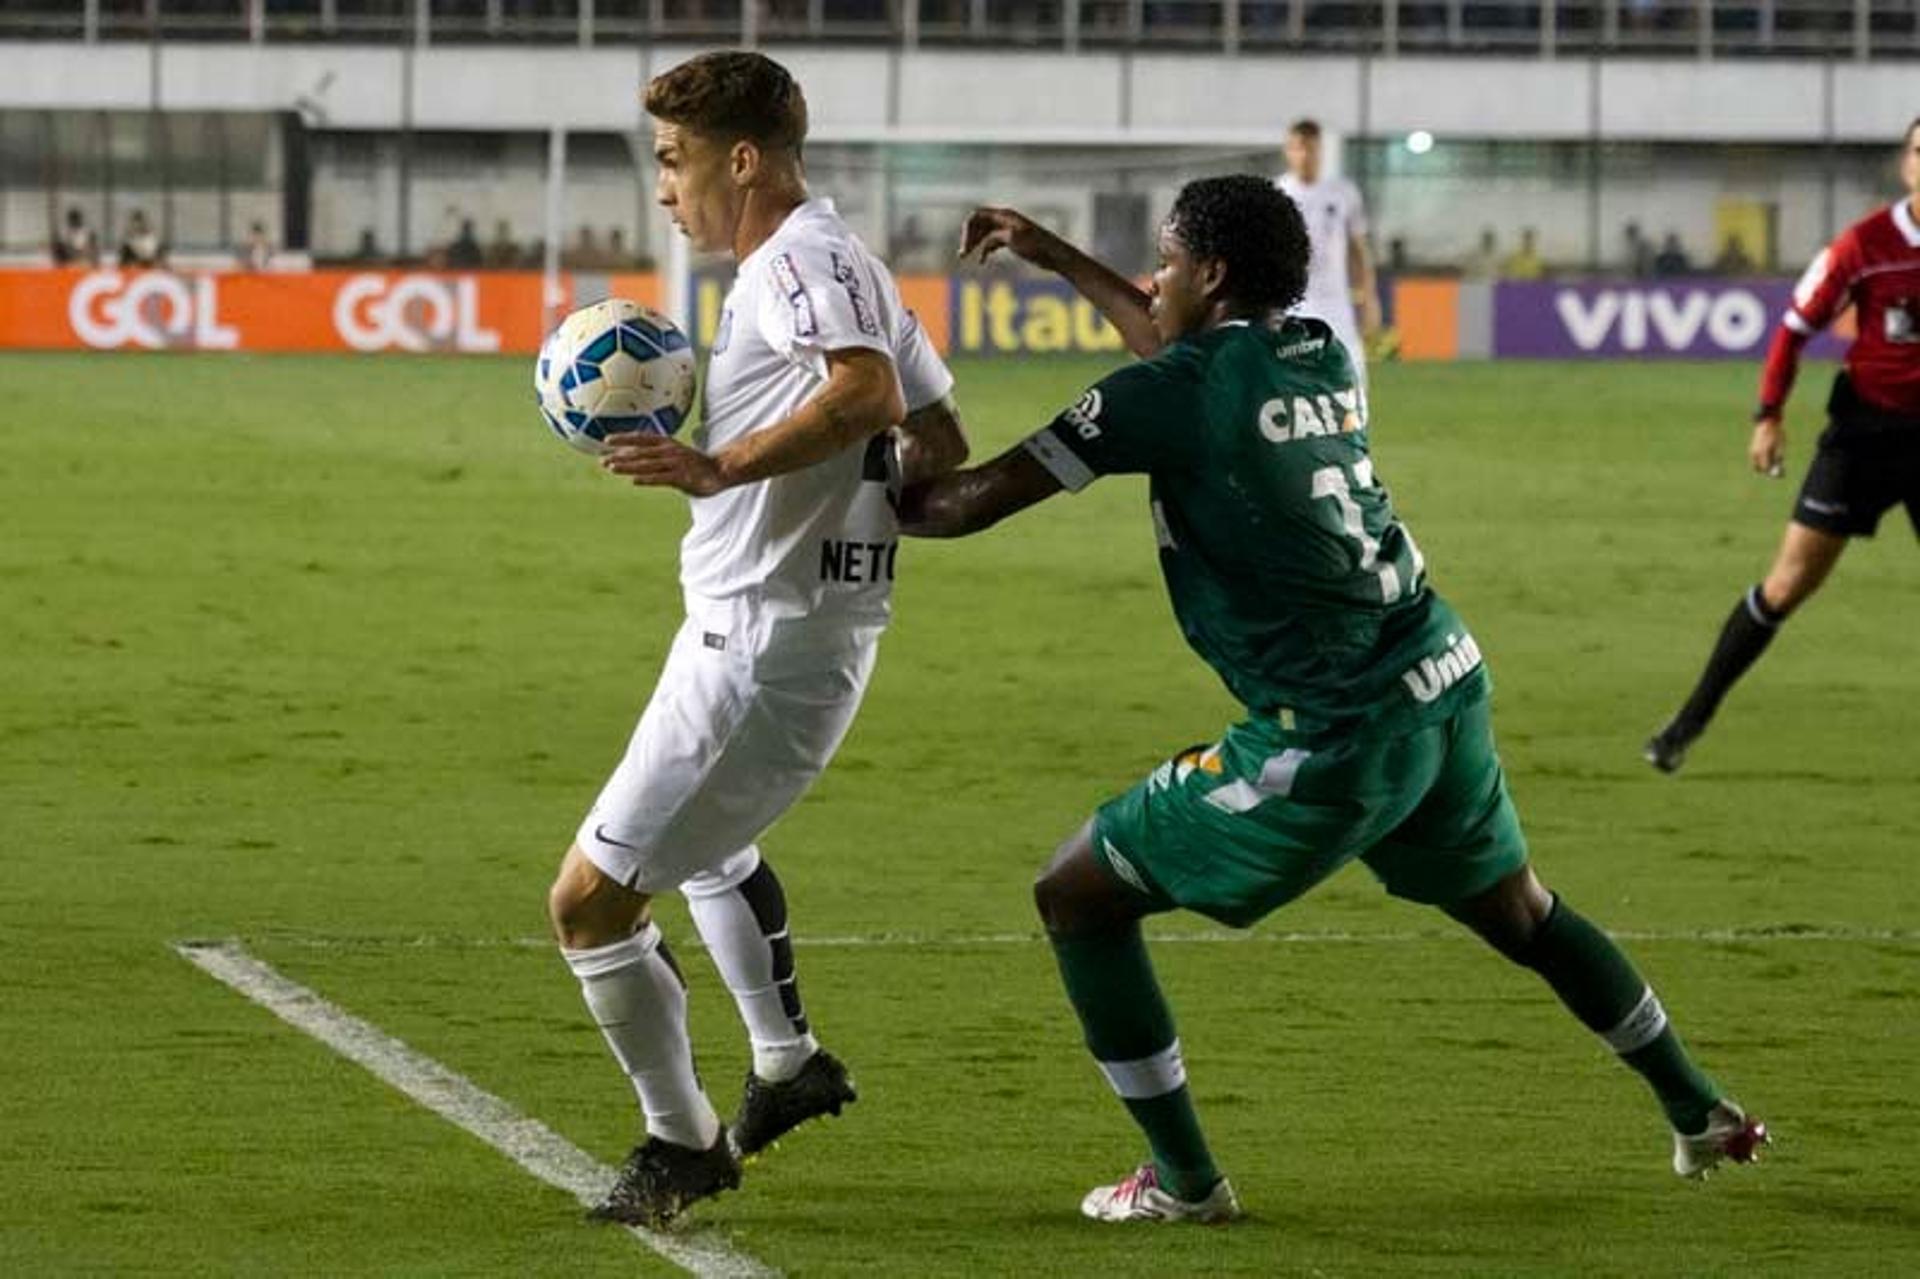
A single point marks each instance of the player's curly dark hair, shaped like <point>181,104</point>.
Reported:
<point>732,94</point>
<point>1252,226</point>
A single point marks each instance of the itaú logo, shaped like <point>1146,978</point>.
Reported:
<point>411,313</point>
<point>150,309</point>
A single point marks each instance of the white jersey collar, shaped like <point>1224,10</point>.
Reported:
<point>806,211</point>
<point>1904,219</point>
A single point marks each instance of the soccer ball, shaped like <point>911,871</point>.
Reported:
<point>611,367</point>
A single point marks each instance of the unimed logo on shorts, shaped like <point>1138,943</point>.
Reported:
<point>155,310</point>
<point>411,313</point>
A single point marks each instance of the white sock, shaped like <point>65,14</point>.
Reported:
<point>741,913</point>
<point>637,999</point>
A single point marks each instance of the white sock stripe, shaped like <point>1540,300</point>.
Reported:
<point>1757,612</point>
<point>598,961</point>
<point>1640,1027</point>
<point>1145,1077</point>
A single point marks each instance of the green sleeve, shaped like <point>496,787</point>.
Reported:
<point>1135,421</point>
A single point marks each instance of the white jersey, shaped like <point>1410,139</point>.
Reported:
<point>819,542</point>
<point>1334,215</point>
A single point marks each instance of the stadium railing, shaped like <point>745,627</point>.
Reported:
<point>1703,28</point>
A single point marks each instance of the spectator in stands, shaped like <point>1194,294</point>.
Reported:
<point>617,256</point>
<point>1640,255</point>
<point>368,250</point>
<point>464,254</point>
<point>75,244</point>
<point>141,246</point>
<point>1672,259</point>
<point>257,253</point>
<point>1484,262</point>
<point>585,253</point>
<point>1524,262</point>
<point>502,253</point>
<point>1733,259</point>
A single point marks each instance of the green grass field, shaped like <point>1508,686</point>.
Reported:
<point>330,655</point>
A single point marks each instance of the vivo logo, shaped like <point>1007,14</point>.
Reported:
<point>1732,320</point>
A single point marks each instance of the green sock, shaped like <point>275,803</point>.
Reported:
<point>1599,984</point>
<point>1129,1030</point>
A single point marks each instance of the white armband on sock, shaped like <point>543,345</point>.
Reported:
<point>1144,1077</point>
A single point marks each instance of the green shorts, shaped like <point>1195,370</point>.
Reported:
<point>1235,830</point>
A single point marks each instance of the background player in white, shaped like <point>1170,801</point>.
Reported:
<point>787,573</point>
<point>1340,273</point>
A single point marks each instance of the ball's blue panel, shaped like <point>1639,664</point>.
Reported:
<point>552,424</point>
<point>667,421</point>
<point>601,347</point>
<point>635,341</point>
<point>577,420</point>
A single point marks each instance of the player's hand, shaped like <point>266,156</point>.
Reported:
<point>988,230</point>
<point>660,461</point>
<point>1768,449</point>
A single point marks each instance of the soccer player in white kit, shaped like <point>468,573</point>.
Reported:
<point>1340,272</point>
<point>819,389</point>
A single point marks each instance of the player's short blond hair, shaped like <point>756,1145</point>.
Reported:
<point>732,95</point>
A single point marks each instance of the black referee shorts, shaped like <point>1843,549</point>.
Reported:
<point>1867,461</point>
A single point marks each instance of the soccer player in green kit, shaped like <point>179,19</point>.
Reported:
<point>1366,733</point>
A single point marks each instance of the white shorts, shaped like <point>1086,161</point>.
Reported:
<point>742,721</point>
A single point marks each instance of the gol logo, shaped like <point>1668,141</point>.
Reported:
<point>413,313</point>
<point>151,309</point>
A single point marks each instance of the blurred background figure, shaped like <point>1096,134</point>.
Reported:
<point>257,253</point>
<point>1340,281</point>
<point>464,253</point>
<point>1672,259</point>
<point>1484,261</point>
<point>1640,254</point>
<point>1524,262</point>
<point>1733,259</point>
<point>502,253</point>
<point>75,244</point>
<point>141,246</point>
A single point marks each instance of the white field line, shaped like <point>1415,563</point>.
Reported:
<point>529,1143</point>
<point>1763,934</point>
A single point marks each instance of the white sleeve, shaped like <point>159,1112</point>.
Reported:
<point>924,377</point>
<point>821,298</point>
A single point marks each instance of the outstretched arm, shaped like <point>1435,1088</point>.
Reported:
<point>963,502</point>
<point>930,442</point>
<point>1119,299</point>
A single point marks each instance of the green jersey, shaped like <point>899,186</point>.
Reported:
<point>1289,572</point>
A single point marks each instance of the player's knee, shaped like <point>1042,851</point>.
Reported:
<point>1508,915</point>
<point>1075,894</point>
<point>1788,587</point>
<point>587,909</point>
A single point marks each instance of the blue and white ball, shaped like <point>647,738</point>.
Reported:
<point>611,367</point>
